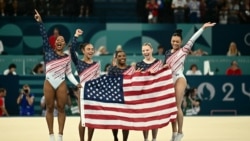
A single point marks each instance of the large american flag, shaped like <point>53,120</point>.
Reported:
<point>135,102</point>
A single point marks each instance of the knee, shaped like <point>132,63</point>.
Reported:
<point>61,108</point>
<point>179,108</point>
<point>50,108</point>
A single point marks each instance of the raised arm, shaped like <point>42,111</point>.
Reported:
<point>197,35</point>
<point>43,32</point>
<point>73,46</point>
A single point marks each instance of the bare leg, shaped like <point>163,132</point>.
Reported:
<point>49,94</point>
<point>61,98</point>
<point>115,133</point>
<point>180,87</point>
<point>154,133</point>
<point>125,134</point>
<point>90,133</point>
<point>145,134</point>
<point>81,130</point>
<point>174,126</point>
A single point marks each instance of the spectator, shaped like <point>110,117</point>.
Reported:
<point>194,11</point>
<point>56,7</point>
<point>1,46</point>
<point>26,101</point>
<point>234,9</point>
<point>232,50</point>
<point>86,7</point>
<point>152,8</point>
<point>234,69</point>
<point>52,38</point>
<point>199,52</point>
<point>11,70</point>
<point>9,7</point>
<point>101,51</point>
<point>3,111</point>
<point>223,14</point>
<point>15,6</point>
<point>203,10</point>
<point>245,11</point>
<point>160,50</point>
<point>118,48</point>
<point>193,70</point>
<point>2,8</point>
<point>191,103</point>
<point>179,7</point>
<point>38,69</point>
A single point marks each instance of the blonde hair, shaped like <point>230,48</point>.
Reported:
<point>233,51</point>
<point>148,44</point>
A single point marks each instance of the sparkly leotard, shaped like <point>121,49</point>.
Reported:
<point>56,66</point>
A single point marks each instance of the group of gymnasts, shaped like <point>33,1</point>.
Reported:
<point>58,66</point>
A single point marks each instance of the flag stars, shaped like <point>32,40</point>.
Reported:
<point>105,89</point>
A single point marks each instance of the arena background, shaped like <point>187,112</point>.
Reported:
<point>225,106</point>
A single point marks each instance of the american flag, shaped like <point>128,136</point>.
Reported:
<point>140,101</point>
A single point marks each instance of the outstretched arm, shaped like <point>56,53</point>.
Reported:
<point>73,46</point>
<point>197,34</point>
<point>43,32</point>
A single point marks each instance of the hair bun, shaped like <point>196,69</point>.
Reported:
<point>178,31</point>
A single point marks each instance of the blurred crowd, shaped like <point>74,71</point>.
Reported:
<point>46,7</point>
<point>195,11</point>
<point>152,11</point>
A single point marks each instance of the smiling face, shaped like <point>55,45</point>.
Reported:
<point>88,51</point>
<point>59,43</point>
<point>121,58</point>
<point>176,42</point>
<point>147,51</point>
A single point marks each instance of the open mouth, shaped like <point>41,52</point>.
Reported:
<point>59,45</point>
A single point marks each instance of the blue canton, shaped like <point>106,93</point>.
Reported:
<point>105,89</point>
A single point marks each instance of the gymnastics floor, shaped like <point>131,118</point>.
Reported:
<point>217,128</point>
